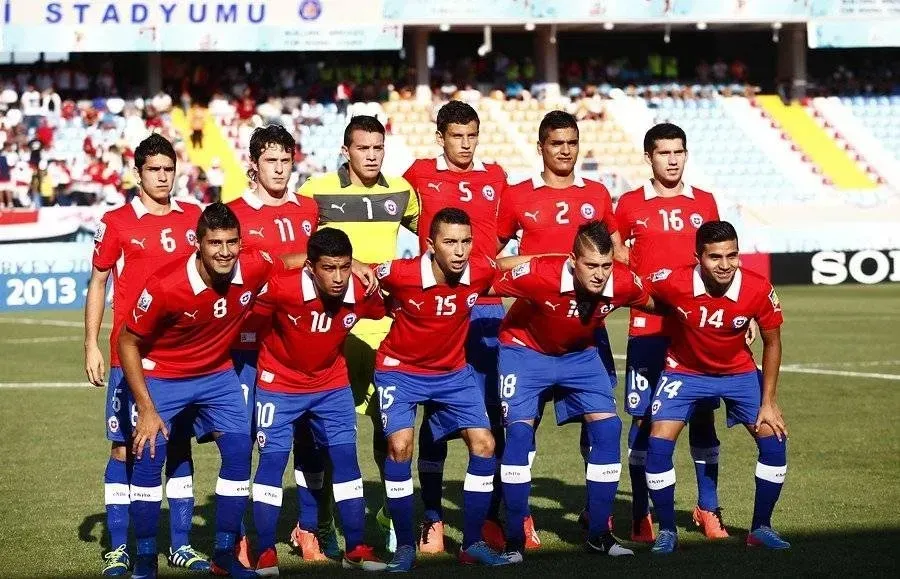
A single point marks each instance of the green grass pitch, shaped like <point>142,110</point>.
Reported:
<point>839,506</point>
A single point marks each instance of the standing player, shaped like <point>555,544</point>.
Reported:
<point>458,179</point>
<point>312,310</point>
<point>661,219</point>
<point>548,209</point>
<point>711,305</point>
<point>274,220</point>
<point>175,356</point>
<point>547,345</point>
<point>370,208</point>
<point>422,361</point>
<point>131,243</point>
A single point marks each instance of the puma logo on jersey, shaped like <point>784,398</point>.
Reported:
<point>435,186</point>
<point>417,304</point>
<point>338,207</point>
<point>256,232</point>
<point>97,249</point>
<point>642,222</point>
<point>532,215</point>
<point>141,242</point>
<point>293,319</point>
<point>552,306</point>
<point>191,315</point>
<point>136,316</point>
<point>683,312</point>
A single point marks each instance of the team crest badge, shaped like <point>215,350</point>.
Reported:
<point>349,320</point>
<point>660,275</point>
<point>390,206</point>
<point>307,227</point>
<point>696,220</point>
<point>634,399</point>
<point>113,424</point>
<point>246,297</point>
<point>265,255</point>
<point>191,237</point>
<point>521,269</point>
<point>261,439</point>
<point>739,322</point>
<point>470,301</point>
<point>504,407</point>
<point>637,280</point>
<point>488,192</point>
<point>144,301</point>
<point>384,421</point>
<point>776,303</point>
<point>101,231</point>
<point>383,270</point>
<point>587,211</point>
<point>655,408</point>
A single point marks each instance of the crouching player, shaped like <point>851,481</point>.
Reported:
<point>547,339</point>
<point>711,305</point>
<point>312,311</point>
<point>422,361</point>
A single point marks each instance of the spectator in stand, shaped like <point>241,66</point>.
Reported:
<point>342,95</point>
<point>6,186</point>
<point>216,179</point>
<point>197,120</point>
<point>31,107</point>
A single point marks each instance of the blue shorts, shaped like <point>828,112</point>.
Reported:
<point>121,415</point>
<point>481,349</point>
<point>245,367</point>
<point>454,398</point>
<point>330,414</point>
<point>677,395</point>
<point>578,380</point>
<point>646,360</point>
<point>217,399</point>
<point>601,338</point>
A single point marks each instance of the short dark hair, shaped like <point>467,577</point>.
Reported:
<point>153,145</point>
<point>714,232</point>
<point>592,233</point>
<point>556,120</point>
<point>663,131</point>
<point>456,112</point>
<point>328,242</point>
<point>365,123</point>
<point>450,216</point>
<point>264,137</point>
<point>217,216</point>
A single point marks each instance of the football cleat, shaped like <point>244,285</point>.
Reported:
<point>493,535</point>
<point>328,541</point>
<point>224,564</point>
<point>267,563</point>
<point>116,562</point>
<point>145,567</point>
<point>187,558</point>
<point>766,537</point>
<point>607,544</point>
<point>431,537</point>
<point>480,553</point>
<point>665,543</point>
<point>243,553</point>
<point>404,560</point>
<point>308,544</point>
<point>710,523</point>
<point>363,557</point>
<point>642,530</point>
<point>532,540</point>
<point>387,526</point>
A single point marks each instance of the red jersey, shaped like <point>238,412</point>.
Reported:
<point>431,320</point>
<point>188,325</point>
<point>662,231</point>
<point>133,243</point>
<point>477,192</point>
<point>548,317</point>
<point>302,323</point>
<point>276,230</point>
<point>549,218</point>
<point>707,333</point>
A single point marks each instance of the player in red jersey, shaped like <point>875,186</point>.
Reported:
<point>277,221</point>
<point>312,310</point>
<point>547,345</point>
<point>422,361</point>
<point>131,243</point>
<point>661,219</point>
<point>711,305</point>
<point>458,179</point>
<point>548,209</point>
<point>175,356</point>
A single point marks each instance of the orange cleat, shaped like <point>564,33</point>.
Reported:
<point>710,523</point>
<point>642,530</point>
<point>308,544</point>
<point>492,534</point>
<point>431,538</point>
<point>267,563</point>
<point>532,540</point>
<point>243,553</point>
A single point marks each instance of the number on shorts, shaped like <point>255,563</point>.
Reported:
<point>670,388</point>
<point>134,415</point>
<point>265,414</point>
<point>385,396</point>
<point>638,382</point>
<point>507,386</point>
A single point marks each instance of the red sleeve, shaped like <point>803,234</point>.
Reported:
<point>373,306</point>
<point>411,174</point>
<point>622,218</point>
<point>267,299</point>
<point>713,208</point>
<point>769,315</point>
<point>633,290</point>
<point>107,245</point>
<point>264,267</point>
<point>522,281</point>
<point>507,221</point>
<point>148,313</point>
<point>659,285</point>
<point>383,273</point>
<point>609,217</point>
